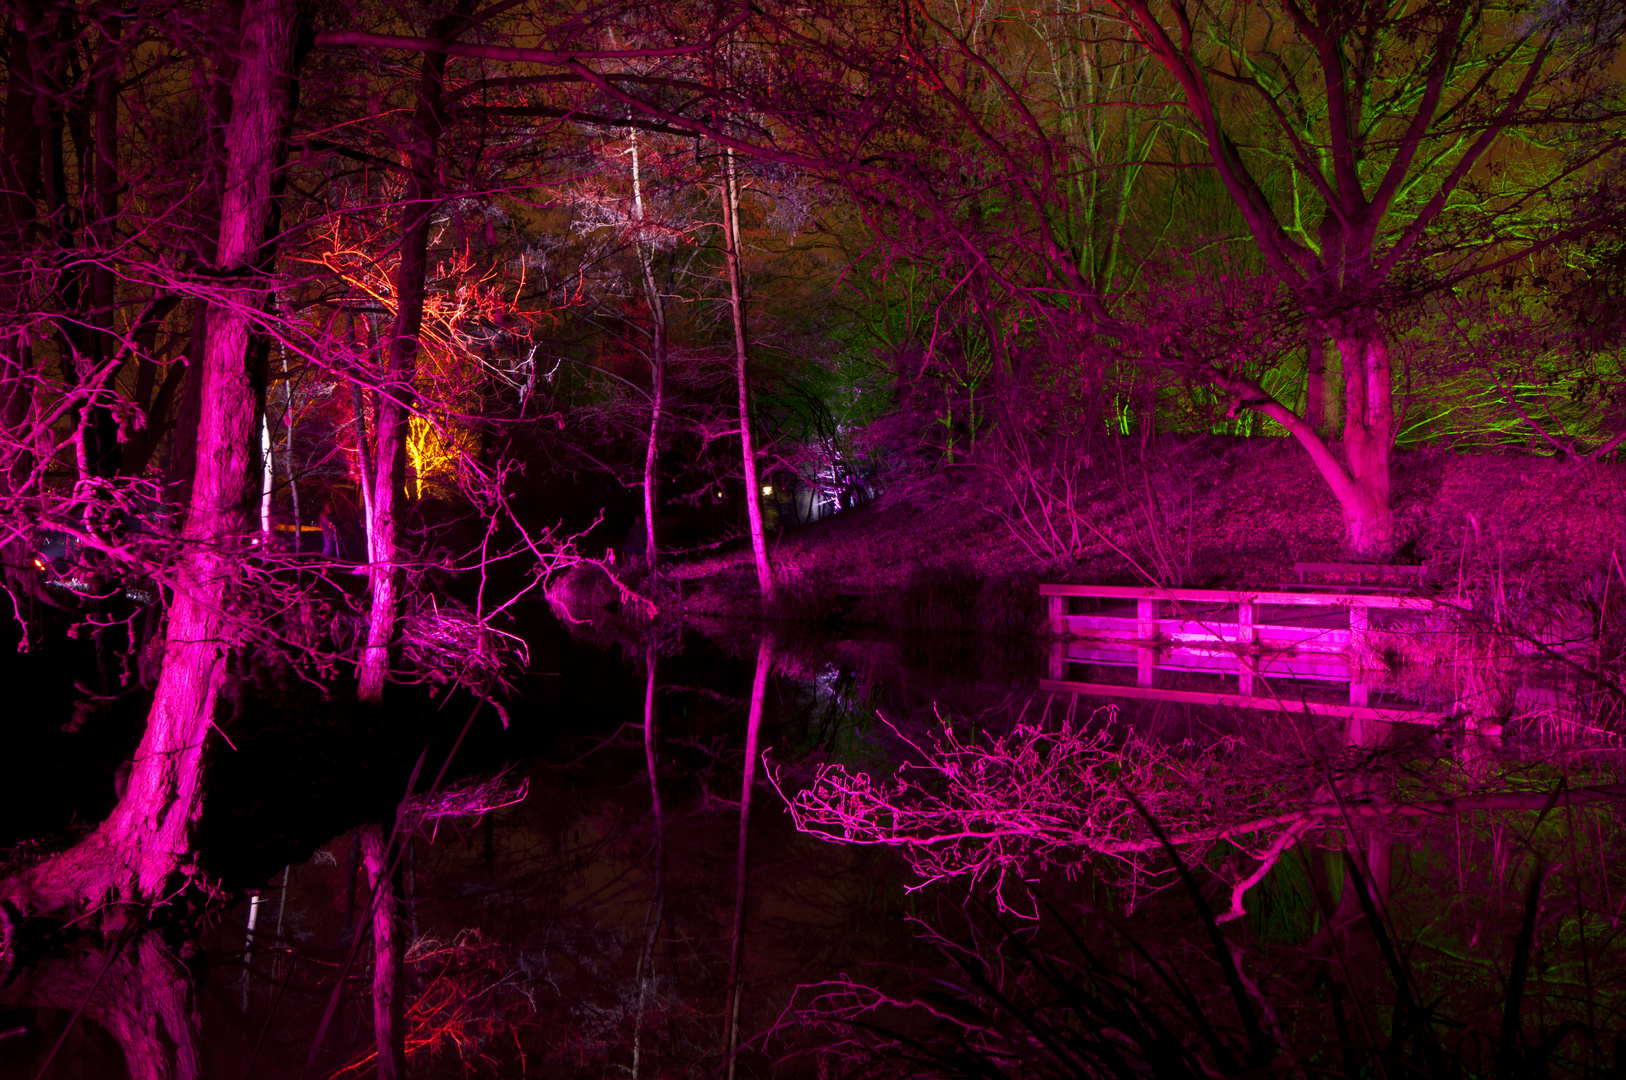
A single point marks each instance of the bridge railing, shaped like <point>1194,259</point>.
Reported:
<point>1241,635</point>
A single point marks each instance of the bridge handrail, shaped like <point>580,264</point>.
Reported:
<point>1249,596</point>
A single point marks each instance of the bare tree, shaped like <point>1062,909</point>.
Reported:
<point>1387,120</point>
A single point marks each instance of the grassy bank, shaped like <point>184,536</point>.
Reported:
<point>1494,527</point>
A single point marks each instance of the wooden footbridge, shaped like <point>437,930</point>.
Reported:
<point>1284,649</point>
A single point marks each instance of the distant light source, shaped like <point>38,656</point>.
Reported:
<point>767,489</point>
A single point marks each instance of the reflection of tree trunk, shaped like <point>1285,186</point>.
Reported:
<point>1375,844</point>
<point>657,902</point>
<point>736,292</point>
<point>753,723</point>
<point>1367,853</point>
<point>389,953</point>
<point>143,845</point>
<point>143,999</point>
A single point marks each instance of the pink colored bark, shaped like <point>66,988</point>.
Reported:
<point>144,848</point>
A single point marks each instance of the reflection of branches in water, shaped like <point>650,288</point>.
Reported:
<point>475,996</point>
<point>470,799</point>
<point>1057,998</point>
<point>1036,798</point>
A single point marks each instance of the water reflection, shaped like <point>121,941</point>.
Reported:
<point>650,909</point>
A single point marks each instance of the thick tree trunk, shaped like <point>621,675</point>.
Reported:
<point>145,845</point>
<point>736,292</point>
<point>1368,436</point>
<point>1362,497</point>
<point>1360,482</point>
<point>181,455</point>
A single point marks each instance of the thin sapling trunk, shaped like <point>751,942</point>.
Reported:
<point>657,366</point>
<point>736,292</point>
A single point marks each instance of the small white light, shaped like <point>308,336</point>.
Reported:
<point>767,489</point>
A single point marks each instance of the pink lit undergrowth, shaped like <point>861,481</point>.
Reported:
<point>1003,810</point>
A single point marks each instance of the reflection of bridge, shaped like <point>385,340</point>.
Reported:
<point>1282,648</point>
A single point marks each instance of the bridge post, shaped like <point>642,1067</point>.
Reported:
<point>1146,614</point>
<point>1244,654</point>
<point>1058,660</point>
<point>1359,623</point>
<point>1058,614</point>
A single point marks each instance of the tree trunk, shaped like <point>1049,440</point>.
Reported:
<point>395,402</point>
<point>20,184</point>
<point>1368,436</point>
<point>736,292</point>
<point>145,845</point>
<point>181,455</point>
<point>657,365</point>
<point>397,395</point>
<point>652,500</point>
<point>99,173</point>
<point>1315,385</point>
<point>364,459</point>
<point>1360,482</point>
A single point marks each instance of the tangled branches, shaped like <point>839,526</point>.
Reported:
<point>470,799</point>
<point>474,999</point>
<point>1066,797</point>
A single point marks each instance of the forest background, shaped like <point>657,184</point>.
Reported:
<point>331,333</point>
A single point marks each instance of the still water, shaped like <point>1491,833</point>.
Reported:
<point>617,888</point>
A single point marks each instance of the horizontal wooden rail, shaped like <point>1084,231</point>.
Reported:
<point>1241,701</point>
<point>1243,596</point>
<point>1361,571</point>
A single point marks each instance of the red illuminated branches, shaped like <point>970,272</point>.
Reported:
<point>473,1006</point>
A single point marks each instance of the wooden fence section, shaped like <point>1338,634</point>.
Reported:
<point>1286,635</point>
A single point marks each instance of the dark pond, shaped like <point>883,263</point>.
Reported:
<point>578,911</point>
